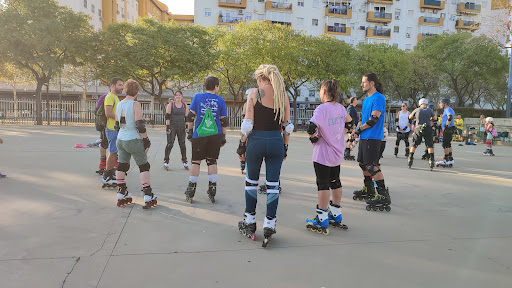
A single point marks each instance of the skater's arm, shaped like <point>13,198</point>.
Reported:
<point>109,111</point>
<point>168,111</point>
<point>137,115</point>
<point>1,141</point>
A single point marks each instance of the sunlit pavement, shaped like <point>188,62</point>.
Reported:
<point>59,228</point>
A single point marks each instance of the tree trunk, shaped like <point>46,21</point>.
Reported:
<point>152,107</point>
<point>48,112</point>
<point>39,97</point>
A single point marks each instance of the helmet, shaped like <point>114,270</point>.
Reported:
<point>423,101</point>
<point>431,106</point>
<point>489,119</point>
<point>445,101</point>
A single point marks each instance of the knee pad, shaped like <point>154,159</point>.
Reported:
<point>370,169</point>
<point>211,162</point>
<point>104,144</point>
<point>144,167</point>
<point>335,183</point>
<point>363,167</point>
<point>272,187</point>
<point>323,184</point>
<point>123,167</point>
<point>415,145</point>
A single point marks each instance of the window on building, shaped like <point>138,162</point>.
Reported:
<point>99,12</point>
<point>93,9</point>
<point>261,17</point>
<point>397,29</point>
<point>411,13</point>
<point>315,4</point>
<point>395,45</point>
<point>207,12</point>
<point>261,0</point>
<point>300,3</point>
<point>85,3</point>
<point>312,93</point>
<point>314,22</point>
<point>300,21</point>
<point>248,16</point>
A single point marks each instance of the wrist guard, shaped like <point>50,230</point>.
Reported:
<point>117,126</point>
<point>358,130</point>
<point>241,148</point>
<point>313,139</point>
<point>285,150</point>
<point>147,143</point>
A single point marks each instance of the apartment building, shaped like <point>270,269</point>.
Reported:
<point>106,12</point>
<point>401,23</point>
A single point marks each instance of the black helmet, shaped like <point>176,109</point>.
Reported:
<point>431,106</point>
<point>445,101</point>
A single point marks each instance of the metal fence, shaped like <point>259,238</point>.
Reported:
<point>72,113</point>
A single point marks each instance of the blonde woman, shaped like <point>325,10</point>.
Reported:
<point>267,109</point>
<point>176,126</point>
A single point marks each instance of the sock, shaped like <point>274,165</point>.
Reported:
<point>193,179</point>
<point>432,156</point>
<point>380,184</point>
<point>146,185</point>
<point>212,178</point>
<point>121,182</point>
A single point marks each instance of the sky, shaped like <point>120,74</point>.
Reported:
<point>180,6</point>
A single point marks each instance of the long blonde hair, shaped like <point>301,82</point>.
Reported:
<point>271,73</point>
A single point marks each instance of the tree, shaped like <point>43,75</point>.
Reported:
<point>15,77</point>
<point>465,74</point>
<point>26,42</point>
<point>80,76</point>
<point>154,54</point>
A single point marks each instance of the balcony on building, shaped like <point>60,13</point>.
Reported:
<point>469,8</point>
<point>378,33</point>
<point>223,20</point>
<point>337,30</point>
<point>338,11</point>
<point>278,6</point>
<point>433,21</point>
<point>432,4</point>
<point>467,25</point>
<point>289,24</point>
<point>422,36</point>
<point>381,1</point>
<point>240,4</point>
<point>379,17</point>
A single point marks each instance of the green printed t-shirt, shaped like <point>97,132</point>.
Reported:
<point>111,100</point>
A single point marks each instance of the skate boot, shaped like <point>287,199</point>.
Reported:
<point>2,175</point>
<point>367,192</point>
<point>123,196</point>
<point>320,223</point>
<point>185,164</point>
<point>212,191</point>
<point>108,179</point>
<point>486,153</point>
<point>381,201</point>
<point>431,163</point>
<point>190,192</point>
<point>100,171</point>
<point>396,151</point>
<point>242,166</point>
<point>410,161</point>
<point>347,155</point>
<point>149,198</point>
<point>491,153</point>
<point>406,152</point>
<point>248,226</point>
<point>166,165</point>
<point>103,165</point>
<point>262,189</point>
<point>335,216</point>
<point>425,156</point>
<point>269,229</point>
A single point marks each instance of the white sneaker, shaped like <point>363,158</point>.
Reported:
<point>451,162</point>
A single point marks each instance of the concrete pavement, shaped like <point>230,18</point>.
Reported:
<point>59,228</point>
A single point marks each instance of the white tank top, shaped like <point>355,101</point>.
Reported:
<point>403,120</point>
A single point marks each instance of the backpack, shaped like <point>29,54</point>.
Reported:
<point>208,126</point>
<point>494,132</point>
<point>101,118</point>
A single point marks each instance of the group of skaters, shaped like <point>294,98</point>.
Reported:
<point>266,130</point>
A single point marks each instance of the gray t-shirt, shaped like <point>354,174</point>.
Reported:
<point>422,116</point>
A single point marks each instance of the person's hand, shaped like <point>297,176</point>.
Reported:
<point>1,141</point>
<point>146,151</point>
<point>241,157</point>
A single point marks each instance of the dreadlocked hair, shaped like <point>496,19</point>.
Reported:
<point>271,73</point>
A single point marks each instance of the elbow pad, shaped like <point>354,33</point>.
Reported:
<point>311,128</point>
<point>167,116</point>
<point>139,125</point>
<point>289,128</point>
<point>450,117</point>
<point>224,122</point>
<point>241,148</point>
<point>147,143</point>
<point>349,125</point>
<point>372,121</point>
<point>410,121</point>
<point>246,127</point>
<point>191,116</point>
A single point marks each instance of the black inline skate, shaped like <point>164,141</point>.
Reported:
<point>242,166</point>
<point>367,192</point>
<point>431,163</point>
<point>149,198</point>
<point>349,157</point>
<point>396,152</point>
<point>269,229</point>
<point>212,191</point>
<point>190,192</point>
<point>123,196</point>
<point>108,179</point>
<point>100,171</point>
<point>410,161</point>
<point>248,226</point>
<point>380,202</point>
<point>425,156</point>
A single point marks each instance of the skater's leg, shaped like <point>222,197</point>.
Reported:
<point>170,143</point>
<point>382,148</point>
<point>112,148</point>
<point>273,164</point>
<point>253,159</point>
<point>323,184</point>
<point>181,141</point>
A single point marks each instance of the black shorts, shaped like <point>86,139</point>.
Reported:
<point>423,133</point>
<point>369,151</point>
<point>206,147</point>
<point>104,139</point>
<point>327,173</point>
<point>447,136</point>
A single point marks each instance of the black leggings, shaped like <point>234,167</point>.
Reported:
<point>180,132</point>
<point>402,136</point>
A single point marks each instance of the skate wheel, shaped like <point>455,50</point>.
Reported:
<point>354,198</point>
<point>368,208</point>
<point>243,232</point>
<point>319,231</point>
<point>381,208</point>
<point>325,232</point>
<point>344,227</point>
<point>388,208</point>
<point>253,237</point>
<point>265,242</point>
<point>118,204</point>
<point>375,208</point>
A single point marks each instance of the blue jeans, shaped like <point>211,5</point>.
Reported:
<point>268,146</point>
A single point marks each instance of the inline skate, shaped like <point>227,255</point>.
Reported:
<point>212,191</point>
<point>320,223</point>
<point>190,192</point>
<point>380,202</point>
<point>269,229</point>
<point>149,198</point>
<point>248,226</point>
<point>335,216</point>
